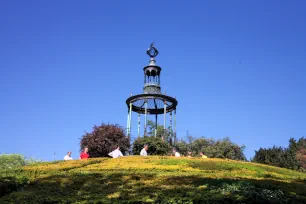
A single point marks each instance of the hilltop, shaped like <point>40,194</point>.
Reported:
<point>152,179</point>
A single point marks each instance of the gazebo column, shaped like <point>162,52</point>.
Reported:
<point>145,123</point>
<point>130,119</point>
<point>171,135</point>
<point>174,128</point>
<point>128,122</point>
<point>165,112</point>
<point>138,128</point>
<point>155,132</point>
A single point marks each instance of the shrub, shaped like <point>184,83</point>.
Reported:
<point>223,148</point>
<point>292,157</point>
<point>9,161</point>
<point>156,146</point>
<point>103,140</point>
<point>182,147</point>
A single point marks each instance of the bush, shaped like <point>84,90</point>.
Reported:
<point>11,173</point>
<point>223,148</point>
<point>156,146</point>
<point>9,161</point>
<point>272,156</point>
<point>292,157</point>
<point>182,147</point>
<point>103,139</point>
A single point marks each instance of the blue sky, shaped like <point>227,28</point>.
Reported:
<point>237,69</point>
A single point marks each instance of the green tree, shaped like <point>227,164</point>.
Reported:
<point>160,131</point>
<point>152,126</point>
<point>292,157</point>
<point>223,148</point>
<point>11,161</point>
<point>156,146</point>
<point>8,161</point>
<point>200,145</point>
<point>272,156</point>
<point>182,147</point>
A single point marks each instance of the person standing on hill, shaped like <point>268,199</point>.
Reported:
<point>144,151</point>
<point>68,156</point>
<point>84,154</point>
<point>189,154</point>
<point>176,153</point>
<point>116,153</point>
<point>203,155</point>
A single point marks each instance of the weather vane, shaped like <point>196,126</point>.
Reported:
<point>152,51</point>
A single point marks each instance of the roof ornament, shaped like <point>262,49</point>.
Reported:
<point>152,51</point>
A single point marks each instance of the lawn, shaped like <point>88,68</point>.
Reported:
<point>156,179</point>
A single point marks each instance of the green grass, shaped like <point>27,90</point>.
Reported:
<point>152,180</point>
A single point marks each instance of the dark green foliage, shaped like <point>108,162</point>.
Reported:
<point>156,146</point>
<point>152,126</point>
<point>300,152</point>
<point>223,148</point>
<point>292,157</point>
<point>11,173</point>
<point>182,147</point>
<point>201,144</point>
<point>104,139</point>
<point>160,131</point>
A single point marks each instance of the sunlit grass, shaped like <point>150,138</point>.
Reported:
<point>158,179</point>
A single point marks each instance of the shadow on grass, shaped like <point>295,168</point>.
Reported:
<point>129,187</point>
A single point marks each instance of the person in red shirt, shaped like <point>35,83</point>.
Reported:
<point>84,155</point>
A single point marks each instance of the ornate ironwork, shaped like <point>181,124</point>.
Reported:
<point>152,101</point>
<point>155,103</point>
<point>152,51</point>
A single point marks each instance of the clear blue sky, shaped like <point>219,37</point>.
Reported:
<point>237,69</point>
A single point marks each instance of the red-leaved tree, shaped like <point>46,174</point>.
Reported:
<point>103,139</point>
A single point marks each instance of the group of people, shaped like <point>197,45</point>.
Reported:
<point>117,153</point>
<point>85,155</point>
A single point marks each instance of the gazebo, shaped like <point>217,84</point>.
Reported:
<point>152,101</point>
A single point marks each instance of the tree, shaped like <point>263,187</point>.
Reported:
<point>223,148</point>
<point>299,150</point>
<point>182,147</point>
<point>275,156</point>
<point>292,157</point>
<point>156,146</point>
<point>103,139</point>
<point>159,132</point>
<point>200,145</point>
<point>8,161</point>
<point>152,126</point>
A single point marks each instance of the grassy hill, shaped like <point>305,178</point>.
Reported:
<point>152,180</point>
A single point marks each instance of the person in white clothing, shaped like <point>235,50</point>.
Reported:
<point>144,151</point>
<point>116,153</point>
<point>68,156</point>
<point>176,154</point>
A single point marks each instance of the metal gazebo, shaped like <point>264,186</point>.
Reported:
<point>152,101</point>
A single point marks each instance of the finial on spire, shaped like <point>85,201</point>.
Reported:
<point>152,51</point>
